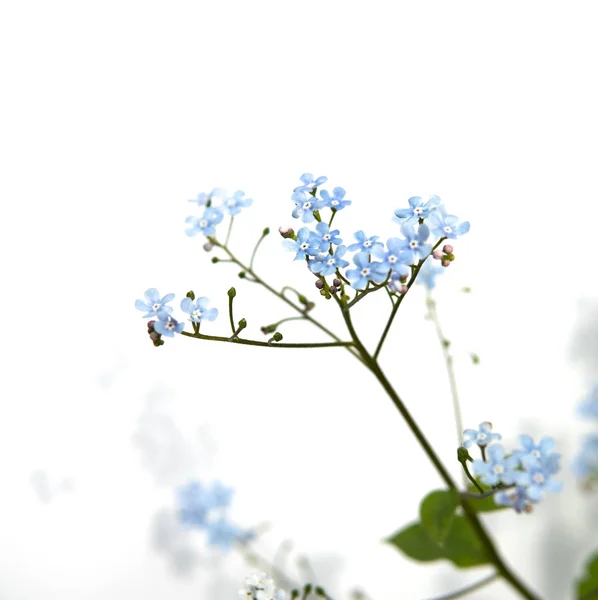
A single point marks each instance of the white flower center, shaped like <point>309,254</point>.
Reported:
<point>203,223</point>
<point>418,211</point>
<point>334,202</point>
<point>538,478</point>
<point>392,259</point>
<point>169,325</point>
<point>365,271</point>
<point>367,244</point>
<point>304,246</point>
<point>447,229</point>
<point>330,262</point>
<point>498,469</point>
<point>326,237</point>
<point>307,205</point>
<point>196,313</point>
<point>155,306</point>
<point>413,244</point>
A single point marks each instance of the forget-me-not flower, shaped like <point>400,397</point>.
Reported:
<point>366,271</point>
<point>236,202</point>
<point>445,225</point>
<point>418,209</point>
<point>198,309</point>
<point>323,237</point>
<point>308,183</point>
<point>327,264</point>
<point>153,304</point>
<point>364,243</point>
<point>304,245</point>
<point>336,201</point>
<point>588,408</point>
<point>166,325</point>
<point>481,436</point>
<point>205,224</point>
<point>497,469</point>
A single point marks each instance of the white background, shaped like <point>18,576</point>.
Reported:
<point>114,114</point>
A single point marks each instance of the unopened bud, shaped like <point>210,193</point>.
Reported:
<point>309,305</point>
<point>336,282</point>
<point>232,292</point>
<point>450,257</point>
<point>403,278</point>
<point>437,254</point>
<point>215,259</point>
<point>154,336</point>
<point>150,325</point>
<point>319,283</point>
<point>286,232</point>
<point>208,246</point>
<point>446,262</point>
<point>404,289</point>
<point>447,249</point>
<point>333,289</point>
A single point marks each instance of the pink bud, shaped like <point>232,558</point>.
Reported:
<point>437,254</point>
<point>286,232</point>
<point>403,289</point>
<point>319,283</point>
<point>447,249</point>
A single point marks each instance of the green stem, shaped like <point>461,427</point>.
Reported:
<point>236,340</point>
<point>263,236</point>
<point>470,588</point>
<point>469,512</point>
<point>230,228</point>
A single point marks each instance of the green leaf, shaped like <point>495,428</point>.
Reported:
<point>436,513</point>
<point>415,543</point>
<point>462,546</point>
<point>484,504</point>
<point>587,586</point>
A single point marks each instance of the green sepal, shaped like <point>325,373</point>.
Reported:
<point>191,295</point>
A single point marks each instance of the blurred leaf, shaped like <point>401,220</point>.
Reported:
<point>475,359</point>
<point>462,546</point>
<point>436,513</point>
<point>415,543</point>
<point>587,586</point>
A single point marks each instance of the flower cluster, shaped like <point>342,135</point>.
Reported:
<point>205,507</point>
<point>261,587</point>
<point>585,465</point>
<point>165,324</point>
<point>214,213</point>
<point>520,478</point>
<point>375,263</point>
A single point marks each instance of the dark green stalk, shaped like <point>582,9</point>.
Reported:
<point>236,340</point>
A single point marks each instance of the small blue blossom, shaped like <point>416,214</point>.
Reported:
<point>366,271</point>
<point>166,325</point>
<point>204,199</point>
<point>514,497</point>
<point>305,206</point>
<point>304,245</point>
<point>154,304</point>
<point>327,264</point>
<point>585,465</point>
<point>308,182</point>
<point>392,259</point>
<point>538,479</point>
<point>418,209</point>
<point>198,309</point>
<point>532,454</point>
<point>206,224</point>
<point>428,273</point>
<point>497,469</point>
<point>589,406</point>
<point>222,533</point>
<point>445,225</point>
<point>364,243</point>
<point>336,201</point>
<point>415,248</point>
<point>482,436</point>
<point>323,237</point>
<point>236,202</point>
<point>193,504</point>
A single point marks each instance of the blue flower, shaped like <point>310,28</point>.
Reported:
<point>515,497</point>
<point>589,407</point>
<point>418,209</point>
<point>428,273</point>
<point>415,248</point>
<point>585,465</point>
<point>482,436</point>
<point>532,454</point>
<point>538,479</point>
<point>234,204</point>
<point>336,201</point>
<point>307,179</point>
<point>304,245</point>
<point>392,259</point>
<point>166,325</point>
<point>198,309</point>
<point>204,199</point>
<point>497,469</point>
<point>366,271</point>
<point>327,264</point>
<point>193,504</point>
<point>305,206</point>
<point>323,237</point>
<point>206,224</point>
<point>222,533</point>
<point>364,243</point>
<point>444,225</point>
<point>154,304</point>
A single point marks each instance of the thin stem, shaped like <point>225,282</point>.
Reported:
<point>448,359</point>
<point>236,340</point>
<point>470,588</point>
<point>230,310</point>
<point>230,228</point>
<point>471,477</point>
<point>263,236</point>
<point>259,280</point>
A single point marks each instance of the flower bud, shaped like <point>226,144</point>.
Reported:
<point>150,325</point>
<point>333,289</point>
<point>446,262</point>
<point>208,246</point>
<point>336,282</point>
<point>403,289</point>
<point>286,232</point>
<point>447,249</point>
<point>319,283</point>
<point>437,254</point>
<point>154,336</point>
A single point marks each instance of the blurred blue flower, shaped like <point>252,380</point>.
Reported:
<point>236,202</point>
<point>206,224</point>
<point>481,436</point>
<point>532,454</point>
<point>308,182</point>
<point>497,468</point>
<point>428,273</point>
<point>585,465</point>
<point>588,408</point>
<point>445,225</point>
